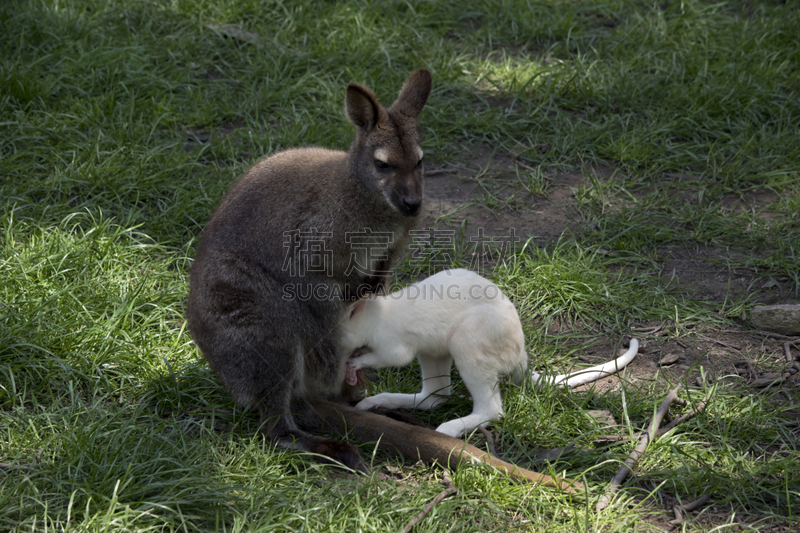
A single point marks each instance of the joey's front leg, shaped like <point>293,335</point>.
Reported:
<point>365,360</point>
<point>388,400</point>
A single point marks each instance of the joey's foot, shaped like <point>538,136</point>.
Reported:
<point>335,452</point>
<point>368,403</point>
<point>396,415</point>
<point>454,428</point>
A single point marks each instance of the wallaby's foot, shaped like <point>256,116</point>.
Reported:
<point>329,451</point>
<point>326,451</point>
<point>396,415</point>
<point>286,434</point>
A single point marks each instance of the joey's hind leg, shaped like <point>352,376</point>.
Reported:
<point>487,404</point>
<point>435,388</point>
<point>435,381</point>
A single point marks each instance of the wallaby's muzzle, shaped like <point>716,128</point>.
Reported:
<point>408,199</point>
<point>411,205</point>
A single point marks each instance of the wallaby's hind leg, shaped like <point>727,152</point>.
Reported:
<point>325,450</point>
<point>257,381</point>
<point>435,388</point>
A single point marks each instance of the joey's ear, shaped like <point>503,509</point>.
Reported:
<point>357,308</point>
<point>362,108</point>
<point>413,94</point>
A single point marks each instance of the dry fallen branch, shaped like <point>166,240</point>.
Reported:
<point>637,452</point>
<point>772,378</point>
<point>450,489</point>
<point>689,507</point>
<point>787,352</point>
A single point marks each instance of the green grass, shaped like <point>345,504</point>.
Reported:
<point>123,123</point>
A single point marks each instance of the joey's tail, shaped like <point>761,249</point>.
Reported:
<point>415,443</point>
<point>589,374</point>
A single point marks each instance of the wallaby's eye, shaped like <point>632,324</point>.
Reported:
<point>419,163</point>
<point>381,165</point>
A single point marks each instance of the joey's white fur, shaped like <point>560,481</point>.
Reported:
<point>453,316</point>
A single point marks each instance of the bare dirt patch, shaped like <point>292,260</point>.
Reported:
<point>495,193</point>
<point>487,192</point>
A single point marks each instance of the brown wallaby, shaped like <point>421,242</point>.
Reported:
<point>301,234</point>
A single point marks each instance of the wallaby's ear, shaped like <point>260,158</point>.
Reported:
<point>413,94</point>
<point>362,108</point>
<point>357,307</point>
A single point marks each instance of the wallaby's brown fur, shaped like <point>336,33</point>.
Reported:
<point>281,257</point>
<point>284,254</point>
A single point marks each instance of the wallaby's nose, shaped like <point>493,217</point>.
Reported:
<point>412,205</point>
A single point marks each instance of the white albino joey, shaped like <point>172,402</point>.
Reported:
<point>453,316</point>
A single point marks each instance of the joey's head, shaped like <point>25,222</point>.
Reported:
<point>386,154</point>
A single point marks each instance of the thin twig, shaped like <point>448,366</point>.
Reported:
<point>528,167</point>
<point>776,335</point>
<point>634,456</point>
<point>680,401</point>
<point>722,343</point>
<point>553,454</point>
<point>648,331</point>
<point>791,423</point>
<point>686,416</point>
<point>602,439</point>
<point>434,171</point>
<point>451,489</point>
<point>9,466</point>
<point>489,440</point>
<point>683,418</point>
<point>787,352</point>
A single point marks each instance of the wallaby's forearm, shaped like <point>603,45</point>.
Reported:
<point>414,443</point>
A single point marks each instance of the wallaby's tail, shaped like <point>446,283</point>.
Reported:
<point>589,374</point>
<point>415,443</point>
